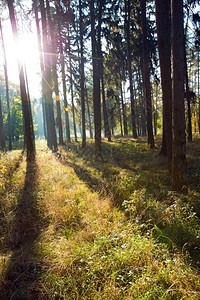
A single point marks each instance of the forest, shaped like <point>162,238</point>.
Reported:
<point>99,149</point>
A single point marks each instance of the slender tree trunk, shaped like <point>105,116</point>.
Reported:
<point>29,132</point>
<point>101,67</point>
<point>164,46</point>
<point>53,50</point>
<point>71,79</point>
<point>96,84</point>
<point>123,112</point>
<point>62,62</point>
<point>198,94</point>
<point>72,98</point>
<point>146,75</point>
<point>120,116</point>
<point>2,130</point>
<point>47,84</point>
<point>127,28</point>
<point>41,61</point>
<point>28,97</point>
<point>179,139</point>
<point>189,123</point>
<point>112,121</point>
<point>105,113</point>
<point>88,111</point>
<point>142,102</point>
<point>82,75</point>
<point>7,90</point>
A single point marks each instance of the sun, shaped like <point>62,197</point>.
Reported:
<point>26,49</point>
<point>23,51</point>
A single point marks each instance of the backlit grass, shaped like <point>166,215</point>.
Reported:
<point>76,228</point>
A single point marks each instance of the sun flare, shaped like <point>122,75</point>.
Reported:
<point>24,51</point>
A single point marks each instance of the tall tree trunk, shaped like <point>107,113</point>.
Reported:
<point>120,116</point>
<point>146,75</point>
<point>198,94</point>
<point>105,113</point>
<point>53,50</point>
<point>142,102</point>
<point>123,111</point>
<point>164,46</point>
<point>72,98</point>
<point>70,74</point>
<point>7,90</point>
<point>101,67</point>
<point>47,84</point>
<point>88,111</point>
<point>62,62</point>
<point>29,131</point>
<point>2,130</point>
<point>127,30</point>
<point>179,139</point>
<point>35,7</point>
<point>96,84</point>
<point>82,79</point>
<point>189,123</point>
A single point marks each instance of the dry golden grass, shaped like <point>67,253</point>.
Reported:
<point>62,239</point>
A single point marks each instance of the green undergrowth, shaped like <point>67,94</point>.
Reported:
<point>77,227</point>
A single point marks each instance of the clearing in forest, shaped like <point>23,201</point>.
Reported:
<point>73,227</point>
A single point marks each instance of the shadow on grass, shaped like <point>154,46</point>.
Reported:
<point>12,169</point>
<point>8,184</point>
<point>137,161</point>
<point>23,268</point>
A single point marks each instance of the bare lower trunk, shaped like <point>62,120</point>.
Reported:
<point>89,117</point>
<point>127,26</point>
<point>96,84</point>
<point>62,62</point>
<point>2,131</point>
<point>189,123</point>
<point>123,112</point>
<point>53,50</point>
<point>164,46</point>
<point>7,91</point>
<point>146,76</point>
<point>105,114</point>
<point>82,77</point>
<point>47,84</point>
<point>29,133</point>
<point>179,139</point>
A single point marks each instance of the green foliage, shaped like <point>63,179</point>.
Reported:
<point>16,117</point>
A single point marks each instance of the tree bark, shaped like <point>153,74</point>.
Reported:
<point>105,113</point>
<point>7,90</point>
<point>82,75</point>
<point>88,111</point>
<point>70,74</point>
<point>47,84</point>
<point>179,139</point>
<point>35,6</point>
<point>163,24</point>
<point>198,94</point>
<point>127,28</point>
<point>96,84</point>
<point>189,123</point>
<point>146,75</point>
<point>53,50</point>
<point>2,130</point>
<point>29,131</point>
<point>62,62</point>
<point>123,112</point>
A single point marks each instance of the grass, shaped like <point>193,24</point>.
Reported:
<point>73,227</point>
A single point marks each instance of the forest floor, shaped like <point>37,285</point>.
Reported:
<point>73,227</point>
